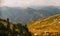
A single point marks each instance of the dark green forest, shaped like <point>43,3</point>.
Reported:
<point>17,29</point>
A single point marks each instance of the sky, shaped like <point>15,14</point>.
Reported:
<point>27,3</point>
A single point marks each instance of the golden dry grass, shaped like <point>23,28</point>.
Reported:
<point>49,24</point>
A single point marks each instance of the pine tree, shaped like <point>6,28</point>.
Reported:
<point>0,12</point>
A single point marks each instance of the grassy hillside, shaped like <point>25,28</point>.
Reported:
<point>50,24</point>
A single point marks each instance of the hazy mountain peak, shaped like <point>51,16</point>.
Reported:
<point>25,15</point>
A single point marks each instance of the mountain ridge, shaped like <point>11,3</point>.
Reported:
<point>49,24</point>
<point>28,14</point>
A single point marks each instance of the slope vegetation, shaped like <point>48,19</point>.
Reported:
<point>50,24</point>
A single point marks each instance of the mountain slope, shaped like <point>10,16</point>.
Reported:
<point>24,15</point>
<point>9,29</point>
<point>49,24</point>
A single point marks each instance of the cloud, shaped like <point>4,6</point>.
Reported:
<point>25,3</point>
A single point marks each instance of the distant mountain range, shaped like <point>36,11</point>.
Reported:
<point>24,15</point>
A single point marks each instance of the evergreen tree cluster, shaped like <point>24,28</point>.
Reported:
<point>9,29</point>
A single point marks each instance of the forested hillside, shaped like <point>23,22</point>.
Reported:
<point>9,29</point>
